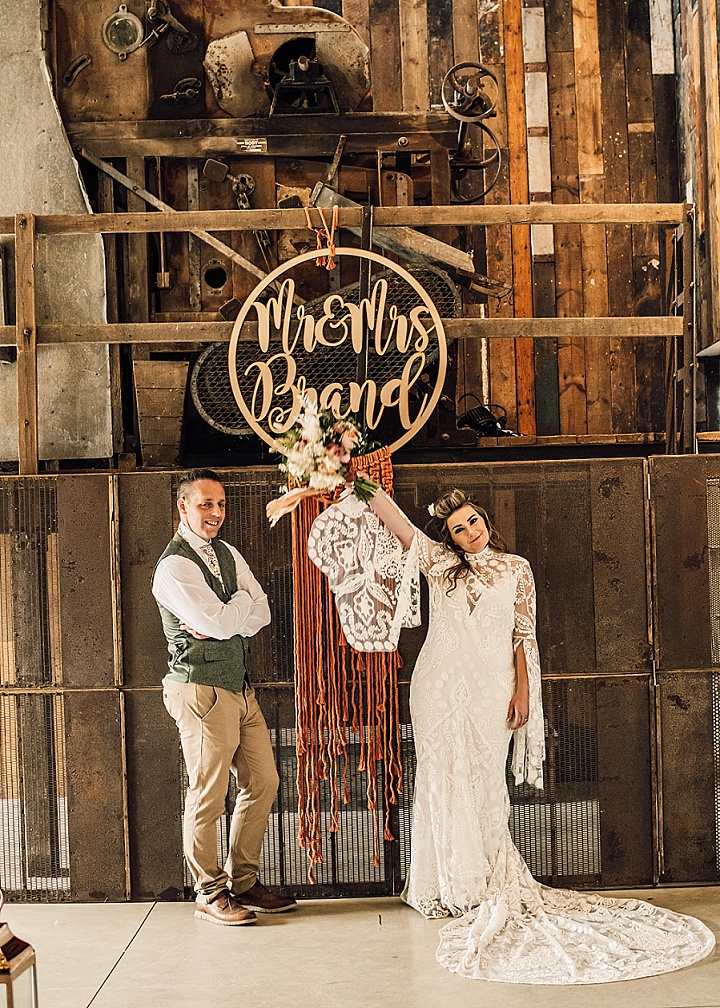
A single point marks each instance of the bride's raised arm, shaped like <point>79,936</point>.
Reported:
<point>392,517</point>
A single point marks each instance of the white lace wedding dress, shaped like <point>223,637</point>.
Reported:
<point>508,927</point>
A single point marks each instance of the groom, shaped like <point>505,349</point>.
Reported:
<point>211,605</point>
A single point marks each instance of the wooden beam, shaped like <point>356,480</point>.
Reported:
<point>417,216</point>
<point>304,145</point>
<point>572,403</point>
<point>622,58</point>
<point>106,202</point>
<point>357,12</point>
<point>588,87</point>
<point>26,321</point>
<point>278,126</point>
<point>709,63</point>
<point>414,54</point>
<point>519,194</point>
<point>635,327</point>
<point>533,213</point>
<point>182,220</point>
<point>688,373</point>
<point>466,46</point>
<point>593,243</point>
<point>137,281</point>
<point>554,440</point>
<point>440,17</point>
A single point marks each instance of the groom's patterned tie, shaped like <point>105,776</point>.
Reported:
<point>212,560</point>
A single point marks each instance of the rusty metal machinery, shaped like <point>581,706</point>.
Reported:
<point>123,31</point>
<point>289,59</point>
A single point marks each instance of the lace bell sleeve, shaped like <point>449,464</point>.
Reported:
<point>430,552</point>
<point>529,750</point>
<point>373,577</point>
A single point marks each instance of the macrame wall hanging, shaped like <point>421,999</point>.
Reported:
<point>340,693</point>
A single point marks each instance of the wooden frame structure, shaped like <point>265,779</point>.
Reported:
<point>26,334</point>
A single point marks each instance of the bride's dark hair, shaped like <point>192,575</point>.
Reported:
<point>444,507</point>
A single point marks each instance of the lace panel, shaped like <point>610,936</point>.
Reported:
<point>375,580</point>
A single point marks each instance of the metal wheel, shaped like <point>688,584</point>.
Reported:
<point>469,92</point>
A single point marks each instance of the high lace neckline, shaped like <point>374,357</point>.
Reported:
<point>484,554</point>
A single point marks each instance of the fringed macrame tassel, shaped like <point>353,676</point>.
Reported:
<point>321,700</point>
<point>338,688</point>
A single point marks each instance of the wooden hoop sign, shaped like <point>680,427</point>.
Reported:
<point>276,399</point>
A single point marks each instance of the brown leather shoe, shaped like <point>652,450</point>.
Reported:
<point>257,897</point>
<point>223,909</point>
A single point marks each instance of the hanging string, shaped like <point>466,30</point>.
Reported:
<point>325,236</point>
<point>340,692</point>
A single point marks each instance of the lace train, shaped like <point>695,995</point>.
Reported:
<point>524,932</point>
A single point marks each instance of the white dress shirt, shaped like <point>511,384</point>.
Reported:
<point>179,585</point>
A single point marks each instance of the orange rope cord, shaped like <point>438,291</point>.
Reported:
<point>328,234</point>
<point>339,691</point>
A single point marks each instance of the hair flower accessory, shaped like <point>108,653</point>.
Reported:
<point>431,510</point>
<point>318,450</point>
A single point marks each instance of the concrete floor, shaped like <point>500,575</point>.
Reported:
<point>370,953</point>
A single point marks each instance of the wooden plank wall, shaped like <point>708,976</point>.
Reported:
<point>696,28</point>
<point>586,115</point>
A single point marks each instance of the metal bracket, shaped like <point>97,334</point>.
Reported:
<point>179,39</point>
<point>187,92</point>
<point>76,67</point>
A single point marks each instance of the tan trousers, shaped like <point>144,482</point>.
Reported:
<point>221,731</point>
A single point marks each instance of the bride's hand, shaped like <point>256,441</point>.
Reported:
<point>353,474</point>
<point>519,709</point>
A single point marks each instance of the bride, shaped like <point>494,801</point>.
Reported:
<point>476,683</point>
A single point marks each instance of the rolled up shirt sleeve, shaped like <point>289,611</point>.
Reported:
<point>179,585</point>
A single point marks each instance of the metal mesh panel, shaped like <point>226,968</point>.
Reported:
<point>34,852</point>
<point>29,573</point>
<point>716,761</point>
<point>684,490</point>
<point>557,830</point>
<point>713,510</point>
<point>404,809</point>
<point>348,864</point>
<point>269,557</point>
<point>594,626</point>
<point>581,525</point>
<point>713,513</point>
<point>210,381</point>
<point>688,708</point>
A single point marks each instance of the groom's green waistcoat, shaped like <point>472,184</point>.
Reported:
<point>211,662</point>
